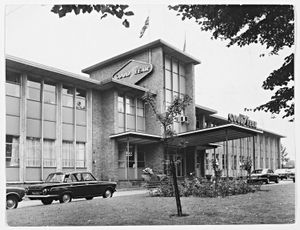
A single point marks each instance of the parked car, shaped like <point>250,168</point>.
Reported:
<point>292,174</point>
<point>282,173</point>
<point>14,195</point>
<point>64,187</point>
<point>263,175</point>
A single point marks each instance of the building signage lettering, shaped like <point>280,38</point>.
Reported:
<point>133,71</point>
<point>241,120</point>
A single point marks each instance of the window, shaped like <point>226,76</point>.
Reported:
<point>67,154</point>
<point>140,115</point>
<point>80,99</point>
<point>34,90</point>
<point>67,97</point>
<point>49,153</point>
<point>130,114</point>
<point>234,162</point>
<point>223,161</point>
<point>13,87</point>
<point>141,159</point>
<point>80,154</point>
<point>33,150</point>
<point>49,93</point>
<point>12,151</point>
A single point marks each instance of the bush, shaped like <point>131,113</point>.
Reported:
<point>203,188</point>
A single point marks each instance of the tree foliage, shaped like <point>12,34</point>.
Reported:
<point>120,11</point>
<point>270,25</point>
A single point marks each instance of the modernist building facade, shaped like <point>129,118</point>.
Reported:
<point>59,121</point>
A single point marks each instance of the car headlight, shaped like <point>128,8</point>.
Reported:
<point>45,190</point>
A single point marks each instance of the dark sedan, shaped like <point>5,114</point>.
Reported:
<point>67,186</point>
<point>13,196</point>
<point>263,175</point>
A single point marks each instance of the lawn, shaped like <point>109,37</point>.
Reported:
<point>275,204</point>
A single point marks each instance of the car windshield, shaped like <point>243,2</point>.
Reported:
<point>55,178</point>
<point>257,171</point>
<point>280,171</point>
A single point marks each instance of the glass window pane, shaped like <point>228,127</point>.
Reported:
<point>141,124</point>
<point>121,104</point>
<point>182,85</point>
<point>168,96</point>
<point>80,154</point>
<point>33,152</point>
<point>168,80</point>
<point>12,151</point>
<point>121,121</point>
<point>80,103</point>
<point>49,97</point>
<point>167,63</point>
<point>130,122</point>
<point>49,153</point>
<point>33,84</point>
<point>130,106</point>
<point>181,69</point>
<point>175,82</point>
<point>13,77</point>
<point>13,89</point>
<point>67,101</point>
<point>140,112</point>
<point>174,66</point>
<point>68,154</point>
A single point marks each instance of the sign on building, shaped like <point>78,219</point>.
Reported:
<point>241,120</point>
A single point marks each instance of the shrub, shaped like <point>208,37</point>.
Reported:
<point>203,188</point>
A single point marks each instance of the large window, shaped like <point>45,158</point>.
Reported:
<point>80,99</point>
<point>49,93</point>
<point>67,96</point>
<point>33,151</point>
<point>12,151</point>
<point>49,154</point>
<point>131,114</point>
<point>80,154</point>
<point>68,154</point>
<point>13,84</point>
<point>175,83</point>
<point>34,90</point>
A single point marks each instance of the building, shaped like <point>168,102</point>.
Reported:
<point>60,121</point>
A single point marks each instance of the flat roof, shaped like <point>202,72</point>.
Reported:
<point>205,110</point>
<point>156,43</point>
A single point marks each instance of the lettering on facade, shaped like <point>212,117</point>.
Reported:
<point>133,71</point>
<point>241,120</point>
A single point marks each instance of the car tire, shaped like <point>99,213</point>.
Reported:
<point>65,198</point>
<point>46,201</point>
<point>11,202</point>
<point>107,193</point>
<point>89,198</point>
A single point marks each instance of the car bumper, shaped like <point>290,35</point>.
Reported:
<point>41,196</point>
<point>253,180</point>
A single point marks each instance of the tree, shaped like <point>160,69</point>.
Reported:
<point>166,120</point>
<point>269,25</point>
<point>246,165</point>
<point>283,156</point>
<point>119,11</point>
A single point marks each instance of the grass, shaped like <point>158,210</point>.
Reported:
<point>274,204</point>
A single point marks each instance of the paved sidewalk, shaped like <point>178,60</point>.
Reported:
<point>27,202</point>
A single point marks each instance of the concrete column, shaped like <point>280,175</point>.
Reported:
<point>136,161</point>
<point>253,139</point>
<point>227,156</point>
<point>58,141</point>
<point>89,135</point>
<point>42,130</point>
<point>75,128</point>
<point>23,127</point>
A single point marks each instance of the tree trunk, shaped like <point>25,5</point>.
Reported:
<point>177,197</point>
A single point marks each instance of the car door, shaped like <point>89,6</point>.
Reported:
<point>91,185</point>
<point>271,175</point>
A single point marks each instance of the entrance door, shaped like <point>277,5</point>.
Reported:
<point>200,170</point>
<point>190,162</point>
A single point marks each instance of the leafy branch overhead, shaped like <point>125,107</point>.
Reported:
<point>120,11</point>
<point>270,25</point>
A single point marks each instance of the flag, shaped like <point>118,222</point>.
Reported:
<point>146,25</point>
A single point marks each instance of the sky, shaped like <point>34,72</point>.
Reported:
<point>227,80</point>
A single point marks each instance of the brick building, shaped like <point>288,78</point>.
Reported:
<point>60,121</point>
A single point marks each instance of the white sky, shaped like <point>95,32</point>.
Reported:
<point>227,80</point>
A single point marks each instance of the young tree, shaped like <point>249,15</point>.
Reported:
<point>283,156</point>
<point>246,165</point>
<point>269,25</point>
<point>166,120</point>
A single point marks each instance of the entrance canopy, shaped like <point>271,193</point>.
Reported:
<point>217,134</point>
<point>201,137</point>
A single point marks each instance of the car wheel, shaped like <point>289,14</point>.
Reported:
<point>65,198</point>
<point>11,202</point>
<point>108,193</point>
<point>89,198</point>
<point>46,201</point>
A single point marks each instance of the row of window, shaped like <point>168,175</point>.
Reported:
<point>34,157</point>
<point>34,88</point>
<point>134,159</point>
